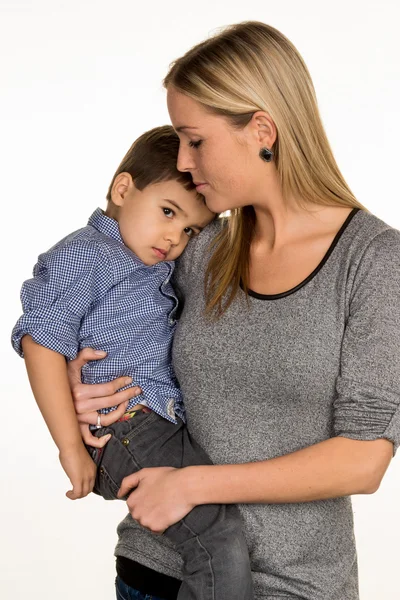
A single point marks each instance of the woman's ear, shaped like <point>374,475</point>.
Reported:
<point>263,129</point>
<point>123,184</point>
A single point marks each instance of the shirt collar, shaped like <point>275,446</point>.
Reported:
<point>105,225</point>
<point>110,227</point>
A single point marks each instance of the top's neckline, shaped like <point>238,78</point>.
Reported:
<point>316,270</point>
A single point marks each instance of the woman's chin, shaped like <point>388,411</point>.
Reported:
<point>215,203</point>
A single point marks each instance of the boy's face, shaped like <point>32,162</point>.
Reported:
<point>157,223</point>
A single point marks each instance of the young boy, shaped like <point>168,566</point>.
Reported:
<point>107,286</point>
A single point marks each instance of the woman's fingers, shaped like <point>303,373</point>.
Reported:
<point>89,418</point>
<point>92,440</point>
<point>84,391</point>
<point>75,366</point>
<point>114,415</point>
<point>91,397</point>
<point>128,484</point>
<point>92,418</point>
<point>102,395</point>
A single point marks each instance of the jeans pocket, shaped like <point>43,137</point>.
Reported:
<point>131,441</point>
<point>104,484</point>
<point>114,462</point>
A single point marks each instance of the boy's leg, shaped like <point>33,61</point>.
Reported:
<point>115,461</point>
<point>211,542</point>
<point>210,538</point>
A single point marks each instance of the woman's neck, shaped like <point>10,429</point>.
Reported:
<point>282,220</point>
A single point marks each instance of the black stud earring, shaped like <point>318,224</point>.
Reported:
<point>266,155</point>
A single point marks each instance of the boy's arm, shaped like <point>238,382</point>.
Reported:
<point>47,371</point>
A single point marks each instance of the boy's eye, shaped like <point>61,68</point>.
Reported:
<point>189,231</point>
<point>168,212</point>
<point>195,144</point>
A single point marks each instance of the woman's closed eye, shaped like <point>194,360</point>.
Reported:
<point>195,144</point>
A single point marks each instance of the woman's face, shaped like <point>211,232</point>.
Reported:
<point>223,161</point>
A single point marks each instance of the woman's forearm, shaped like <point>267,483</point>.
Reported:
<point>330,469</point>
<point>47,371</point>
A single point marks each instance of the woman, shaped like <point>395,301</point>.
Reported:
<point>287,348</point>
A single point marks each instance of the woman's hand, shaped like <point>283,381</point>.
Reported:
<point>88,398</point>
<point>160,497</point>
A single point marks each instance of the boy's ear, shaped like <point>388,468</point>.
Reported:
<point>122,185</point>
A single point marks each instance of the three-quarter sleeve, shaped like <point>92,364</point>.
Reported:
<point>367,405</point>
<point>66,281</point>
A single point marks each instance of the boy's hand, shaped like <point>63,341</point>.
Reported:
<point>81,471</point>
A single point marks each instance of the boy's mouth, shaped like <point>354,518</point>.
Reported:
<point>159,252</point>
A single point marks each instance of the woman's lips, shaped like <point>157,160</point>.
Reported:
<point>200,186</point>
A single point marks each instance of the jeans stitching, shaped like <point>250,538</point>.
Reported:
<point>135,430</point>
<point>105,473</point>
<point>208,554</point>
<point>110,481</point>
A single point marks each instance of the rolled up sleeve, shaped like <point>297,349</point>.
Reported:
<point>66,281</point>
<point>367,405</point>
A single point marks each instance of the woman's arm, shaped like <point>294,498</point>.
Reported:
<point>332,468</point>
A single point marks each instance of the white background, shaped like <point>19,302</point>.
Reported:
<point>79,81</point>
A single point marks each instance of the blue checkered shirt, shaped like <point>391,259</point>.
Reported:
<point>90,290</point>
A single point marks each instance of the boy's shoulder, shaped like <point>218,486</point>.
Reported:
<point>80,248</point>
<point>90,244</point>
<point>86,236</point>
<point>89,249</point>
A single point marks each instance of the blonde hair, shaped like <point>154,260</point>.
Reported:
<point>245,68</point>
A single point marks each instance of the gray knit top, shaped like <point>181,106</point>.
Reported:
<point>283,373</point>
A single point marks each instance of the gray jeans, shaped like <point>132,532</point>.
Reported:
<point>210,540</point>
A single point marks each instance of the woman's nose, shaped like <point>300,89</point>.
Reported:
<point>185,160</point>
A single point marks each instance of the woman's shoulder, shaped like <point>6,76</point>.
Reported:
<point>197,251</point>
<point>209,233</point>
<point>373,254</point>
<point>368,233</point>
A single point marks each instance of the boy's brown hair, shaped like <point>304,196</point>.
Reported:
<point>152,159</point>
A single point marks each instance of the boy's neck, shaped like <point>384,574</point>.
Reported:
<point>112,211</point>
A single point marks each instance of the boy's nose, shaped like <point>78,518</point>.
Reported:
<point>173,236</point>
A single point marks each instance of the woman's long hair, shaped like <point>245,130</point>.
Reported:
<point>243,69</point>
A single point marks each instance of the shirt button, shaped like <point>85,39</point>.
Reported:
<point>171,321</point>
